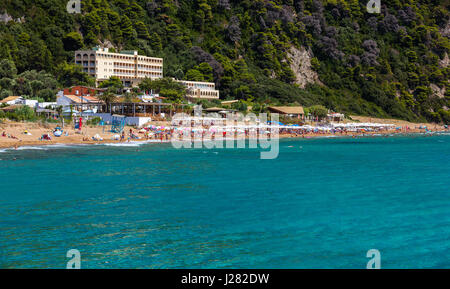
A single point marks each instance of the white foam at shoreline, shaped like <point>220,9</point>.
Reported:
<point>141,143</point>
<point>29,148</point>
<point>133,143</point>
<point>57,146</point>
<point>121,144</point>
<point>43,147</point>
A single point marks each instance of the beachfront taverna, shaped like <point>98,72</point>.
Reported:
<point>291,111</point>
<point>131,68</point>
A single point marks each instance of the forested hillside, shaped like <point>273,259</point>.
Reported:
<point>329,52</point>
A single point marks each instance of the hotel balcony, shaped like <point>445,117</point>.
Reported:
<point>206,94</point>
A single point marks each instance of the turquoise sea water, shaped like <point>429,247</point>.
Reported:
<point>322,204</point>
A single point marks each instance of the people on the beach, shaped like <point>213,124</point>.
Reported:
<point>199,132</point>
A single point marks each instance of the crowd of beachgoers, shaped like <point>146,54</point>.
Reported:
<point>32,134</point>
<point>200,127</point>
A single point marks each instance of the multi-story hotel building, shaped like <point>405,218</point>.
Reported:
<point>130,67</point>
<point>196,89</point>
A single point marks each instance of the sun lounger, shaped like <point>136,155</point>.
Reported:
<point>97,138</point>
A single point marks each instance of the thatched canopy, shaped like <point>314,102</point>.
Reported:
<point>297,110</point>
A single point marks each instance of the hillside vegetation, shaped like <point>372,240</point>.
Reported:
<point>393,64</point>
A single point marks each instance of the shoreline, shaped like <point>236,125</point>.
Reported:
<point>44,144</point>
<point>27,134</point>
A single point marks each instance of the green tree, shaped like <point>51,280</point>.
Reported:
<point>108,97</point>
<point>46,94</point>
<point>165,87</point>
<point>127,28</point>
<point>142,30</point>
<point>239,106</point>
<point>59,110</point>
<point>155,42</point>
<point>72,41</point>
<point>113,84</point>
<point>7,69</point>
<point>194,75</point>
<point>206,70</point>
<point>71,74</point>
<point>318,111</point>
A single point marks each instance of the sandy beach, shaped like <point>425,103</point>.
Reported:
<point>397,122</point>
<point>16,137</point>
<point>36,130</point>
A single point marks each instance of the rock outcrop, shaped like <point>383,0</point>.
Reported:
<point>300,63</point>
<point>445,62</point>
<point>446,30</point>
<point>440,92</point>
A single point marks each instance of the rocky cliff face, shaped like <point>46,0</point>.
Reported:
<point>439,92</point>
<point>445,62</point>
<point>300,62</point>
<point>446,30</point>
<point>5,18</point>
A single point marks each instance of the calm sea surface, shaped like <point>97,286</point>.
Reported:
<point>322,204</point>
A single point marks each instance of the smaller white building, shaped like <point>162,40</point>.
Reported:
<point>30,102</point>
<point>200,89</point>
<point>19,100</point>
<point>12,100</point>
<point>67,100</point>
<point>148,97</point>
<point>46,105</point>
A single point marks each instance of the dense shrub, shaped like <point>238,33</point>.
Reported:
<point>23,113</point>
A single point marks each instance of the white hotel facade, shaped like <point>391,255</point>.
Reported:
<point>128,66</point>
<point>132,68</point>
<point>203,90</point>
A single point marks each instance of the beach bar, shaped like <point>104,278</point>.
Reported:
<point>290,111</point>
